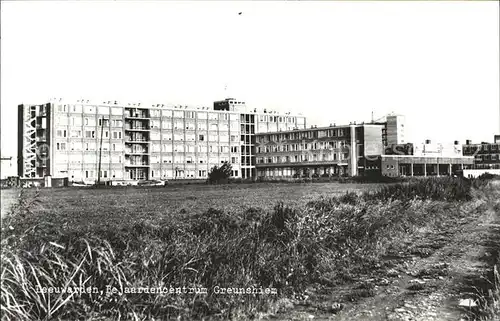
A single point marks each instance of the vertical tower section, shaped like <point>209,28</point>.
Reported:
<point>353,152</point>
<point>137,143</point>
<point>395,130</point>
<point>34,140</point>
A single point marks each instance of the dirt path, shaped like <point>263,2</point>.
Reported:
<point>427,286</point>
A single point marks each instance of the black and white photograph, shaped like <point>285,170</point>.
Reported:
<point>250,160</point>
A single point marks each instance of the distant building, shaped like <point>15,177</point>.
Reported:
<point>395,130</point>
<point>411,165</point>
<point>354,150</point>
<point>317,151</point>
<point>486,155</point>
<point>62,139</point>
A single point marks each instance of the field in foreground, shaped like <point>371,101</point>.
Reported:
<point>374,254</point>
<point>88,206</point>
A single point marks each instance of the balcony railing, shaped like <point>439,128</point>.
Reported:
<point>136,151</point>
<point>137,140</point>
<point>138,128</point>
<point>136,164</point>
<point>137,115</point>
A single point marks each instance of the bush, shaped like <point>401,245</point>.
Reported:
<point>438,189</point>
<point>220,174</point>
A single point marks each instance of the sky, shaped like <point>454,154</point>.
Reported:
<point>437,63</point>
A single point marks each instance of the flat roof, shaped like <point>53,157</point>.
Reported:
<point>319,128</point>
<point>429,159</point>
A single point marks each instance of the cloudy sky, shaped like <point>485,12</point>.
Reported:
<point>436,63</point>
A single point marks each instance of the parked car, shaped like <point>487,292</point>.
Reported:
<point>152,183</point>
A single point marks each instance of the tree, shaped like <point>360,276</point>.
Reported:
<point>220,174</point>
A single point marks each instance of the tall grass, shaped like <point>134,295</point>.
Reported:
<point>492,308</point>
<point>287,248</point>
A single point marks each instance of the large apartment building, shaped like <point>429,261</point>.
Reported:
<point>333,150</point>
<point>136,142</point>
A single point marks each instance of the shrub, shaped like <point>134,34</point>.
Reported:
<point>220,174</point>
<point>442,188</point>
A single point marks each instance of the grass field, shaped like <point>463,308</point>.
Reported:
<point>89,206</point>
<point>334,243</point>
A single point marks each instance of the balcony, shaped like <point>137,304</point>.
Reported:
<point>136,152</point>
<point>138,128</point>
<point>137,141</point>
<point>136,164</point>
<point>136,116</point>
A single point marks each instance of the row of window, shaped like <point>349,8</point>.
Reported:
<point>154,124</point>
<point>118,160</point>
<point>302,158</point>
<point>63,133</point>
<point>87,121</point>
<point>181,173</point>
<point>88,159</point>
<point>79,146</point>
<point>300,147</point>
<point>280,119</point>
<point>338,132</point>
<point>468,150</point>
<point>181,159</point>
<point>144,113</point>
<point>487,157</point>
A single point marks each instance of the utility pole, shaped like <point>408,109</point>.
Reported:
<point>100,153</point>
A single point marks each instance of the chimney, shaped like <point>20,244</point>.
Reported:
<point>427,141</point>
<point>468,142</point>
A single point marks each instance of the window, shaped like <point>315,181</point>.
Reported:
<point>201,137</point>
<point>166,124</point>
<point>104,123</point>
<point>76,133</point>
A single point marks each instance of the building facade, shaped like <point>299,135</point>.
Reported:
<point>395,130</point>
<point>132,142</point>
<point>411,165</point>
<point>486,155</point>
<point>336,150</point>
